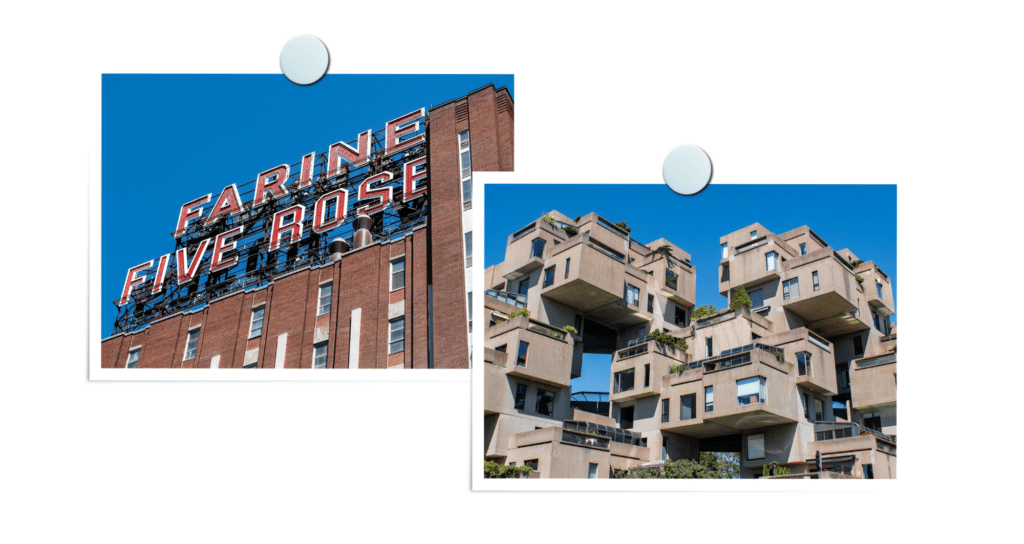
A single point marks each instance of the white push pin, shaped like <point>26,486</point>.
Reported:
<point>687,170</point>
<point>304,60</point>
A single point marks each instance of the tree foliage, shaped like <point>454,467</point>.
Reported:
<point>710,465</point>
<point>622,225</point>
<point>703,311</point>
<point>497,470</point>
<point>740,299</point>
<point>668,339</point>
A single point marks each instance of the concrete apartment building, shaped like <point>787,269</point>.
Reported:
<point>765,382</point>
<point>363,296</point>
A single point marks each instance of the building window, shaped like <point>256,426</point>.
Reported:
<point>709,350</point>
<point>626,417</point>
<point>567,269</point>
<point>545,402</point>
<point>771,260</point>
<point>190,344</point>
<point>578,324</point>
<point>624,381</point>
<point>520,396</point>
<point>843,376</point>
<point>592,471</point>
<point>869,472</point>
<point>325,299</point>
<point>466,167</point>
<point>469,305</point>
<point>814,278</point>
<point>650,303</point>
<point>521,358</point>
<point>873,421</point>
<point>664,410</point>
<point>398,274</point>
<point>133,358</point>
<point>790,288</point>
<point>803,249</point>
<point>687,407</point>
<point>256,323</point>
<point>469,248</point>
<point>647,375</point>
<point>320,355</point>
<point>396,342</point>
<point>725,251</point>
<point>671,280</point>
<point>878,289</point>
<point>532,463</point>
<point>858,346</point>
<point>524,286</point>
<point>549,276</point>
<point>803,363</point>
<point>709,398</point>
<point>874,317</point>
<point>632,295</point>
<point>750,390</point>
<point>681,319</point>
<point>538,248</point>
<point>807,408</point>
<point>819,413</point>
<point>753,234</point>
<point>756,298</point>
<point>755,446</point>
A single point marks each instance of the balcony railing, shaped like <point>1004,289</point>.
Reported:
<point>633,352</point>
<point>834,430</point>
<point>612,433</point>
<point>590,440</point>
<point>514,299</point>
<point>875,361</point>
<point>742,359</point>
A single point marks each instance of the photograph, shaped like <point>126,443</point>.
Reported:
<point>745,332</point>
<point>286,227</point>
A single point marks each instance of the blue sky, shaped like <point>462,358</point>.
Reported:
<point>695,224</point>
<point>168,139</point>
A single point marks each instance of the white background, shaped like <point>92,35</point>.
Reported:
<point>927,96</point>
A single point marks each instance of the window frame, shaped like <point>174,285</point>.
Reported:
<point>692,398</point>
<point>392,342</point>
<point>323,357</point>
<point>791,288</point>
<point>803,363</point>
<point>814,280</point>
<point>321,308</point>
<point>534,247</point>
<point>465,174</point>
<point>523,351</point>
<point>803,248</point>
<point>771,261</point>
<point>400,261</point>
<point>762,391</point>
<point>541,395</point>
<point>192,343</point>
<point>549,277</point>
<point>759,438</point>
<point>519,401</point>
<point>130,363</point>
<point>632,295</point>
<point>709,398</point>
<point>725,250</point>
<point>252,321</point>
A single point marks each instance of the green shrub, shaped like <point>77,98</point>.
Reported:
<point>495,470</point>
<point>856,263</point>
<point>571,230</point>
<point>668,340</point>
<point>740,299</point>
<point>704,311</point>
<point>548,219</point>
<point>570,329</point>
<point>517,313</point>
<point>622,225</point>
<point>858,278</point>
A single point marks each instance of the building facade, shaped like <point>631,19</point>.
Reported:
<point>802,384</point>
<point>361,292</point>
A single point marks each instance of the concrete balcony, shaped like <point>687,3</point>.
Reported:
<point>747,264</point>
<point>776,404</point>
<point>549,352</point>
<point>819,368</point>
<point>647,362</point>
<point>831,308</point>
<point>873,381</point>
<point>673,279</point>
<point>528,246</point>
<point>874,281</point>
<point>595,283</point>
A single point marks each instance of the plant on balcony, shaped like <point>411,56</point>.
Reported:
<point>858,278</point>
<point>740,299</point>
<point>677,369</point>
<point>622,225</point>
<point>774,469</point>
<point>519,312</point>
<point>548,219</point>
<point>710,465</point>
<point>496,470</point>
<point>668,340</point>
<point>570,329</point>
<point>701,312</point>
<point>856,263</point>
<point>571,230</point>
<point>893,348</point>
<point>779,357</point>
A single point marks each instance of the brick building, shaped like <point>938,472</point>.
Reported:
<point>365,300</point>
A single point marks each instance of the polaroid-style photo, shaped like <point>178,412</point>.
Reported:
<point>248,222</point>
<point>633,333</point>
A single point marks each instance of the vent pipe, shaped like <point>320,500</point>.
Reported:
<point>362,237</point>
<point>336,248</point>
